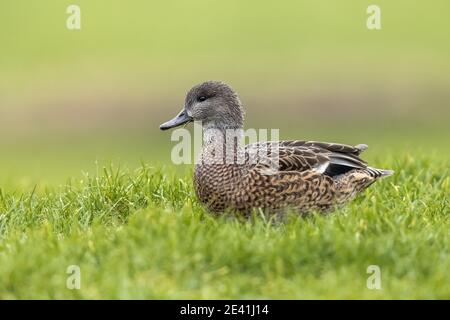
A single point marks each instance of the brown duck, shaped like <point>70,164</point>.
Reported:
<point>301,175</point>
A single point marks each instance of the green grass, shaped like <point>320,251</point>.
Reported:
<point>142,234</point>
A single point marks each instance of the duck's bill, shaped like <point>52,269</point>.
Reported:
<point>179,120</point>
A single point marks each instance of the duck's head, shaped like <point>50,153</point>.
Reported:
<point>214,103</point>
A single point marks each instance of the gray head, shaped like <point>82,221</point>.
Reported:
<point>214,103</point>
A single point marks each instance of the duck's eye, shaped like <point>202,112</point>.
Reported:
<point>201,98</point>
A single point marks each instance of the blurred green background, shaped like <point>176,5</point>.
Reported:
<point>73,100</point>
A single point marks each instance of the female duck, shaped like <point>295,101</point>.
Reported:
<point>302,175</point>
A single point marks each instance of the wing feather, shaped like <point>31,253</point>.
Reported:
<point>298,155</point>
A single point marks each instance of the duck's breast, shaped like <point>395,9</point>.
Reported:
<point>217,184</point>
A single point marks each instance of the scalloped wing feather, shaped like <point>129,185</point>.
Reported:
<point>297,155</point>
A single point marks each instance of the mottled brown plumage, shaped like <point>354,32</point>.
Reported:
<point>302,175</point>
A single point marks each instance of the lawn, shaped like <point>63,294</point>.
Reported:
<point>141,233</point>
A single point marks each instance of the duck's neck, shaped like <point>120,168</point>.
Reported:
<point>222,145</point>
<point>219,135</point>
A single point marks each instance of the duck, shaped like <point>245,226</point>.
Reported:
<point>273,176</point>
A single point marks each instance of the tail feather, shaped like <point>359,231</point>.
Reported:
<point>378,173</point>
